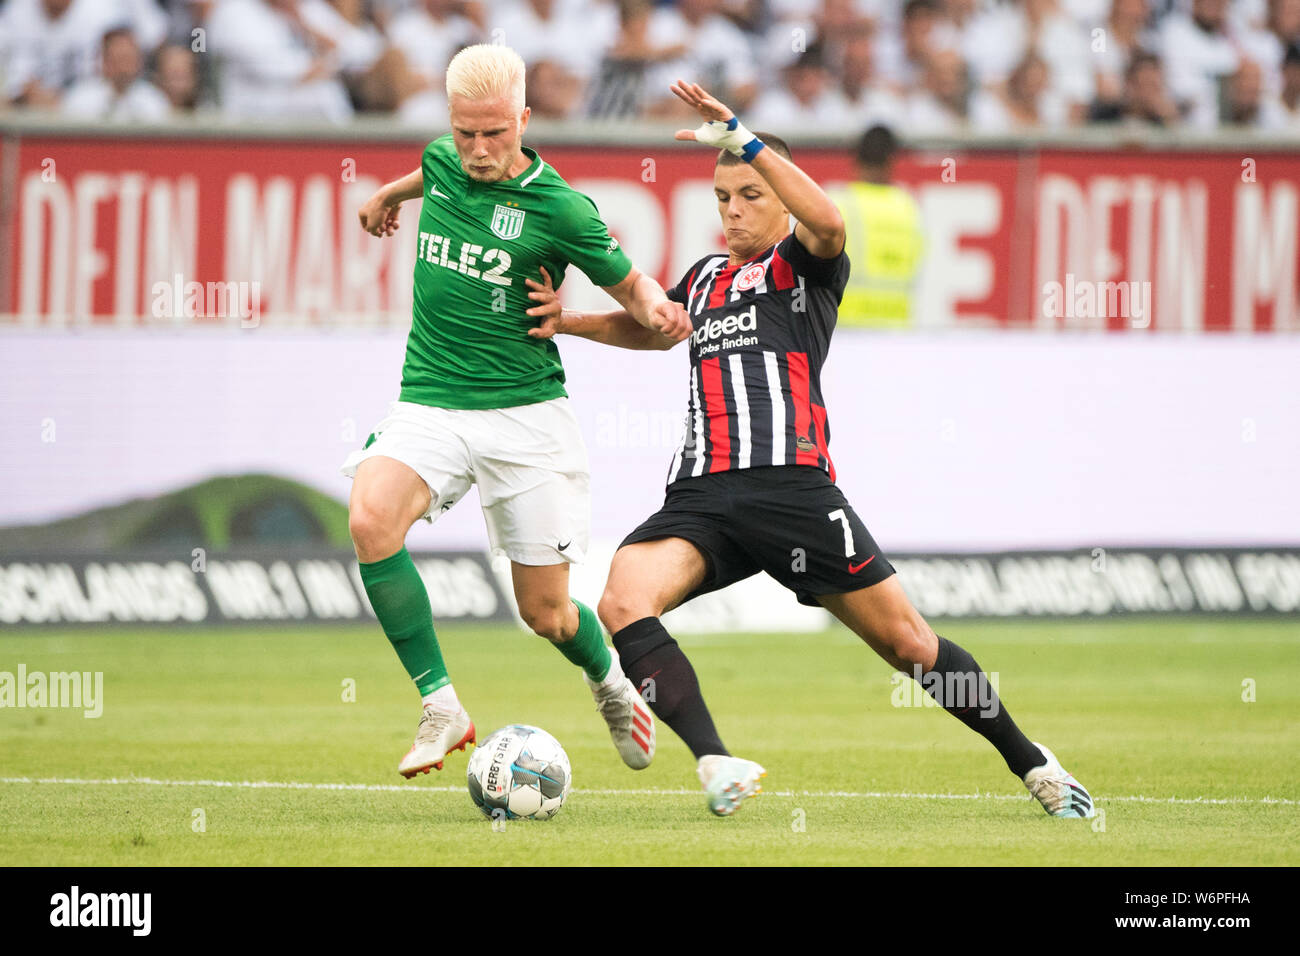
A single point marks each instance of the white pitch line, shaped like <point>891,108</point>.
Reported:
<point>416,788</point>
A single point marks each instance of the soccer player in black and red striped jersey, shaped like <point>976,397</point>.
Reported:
<point>752,487</point>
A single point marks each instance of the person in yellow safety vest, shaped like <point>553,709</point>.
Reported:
<point>884,239</point>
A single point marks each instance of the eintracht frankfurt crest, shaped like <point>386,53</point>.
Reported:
<point>507,223</point>
<point>751,277</point>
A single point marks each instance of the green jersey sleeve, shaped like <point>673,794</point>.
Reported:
<point>584,240</point>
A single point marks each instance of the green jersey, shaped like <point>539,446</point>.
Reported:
<point>469,345</point>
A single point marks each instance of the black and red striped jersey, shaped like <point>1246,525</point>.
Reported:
<point>762,330</point>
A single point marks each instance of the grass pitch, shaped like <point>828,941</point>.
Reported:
<point>237,747</point>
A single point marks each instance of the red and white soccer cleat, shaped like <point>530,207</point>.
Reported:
<point>440,733</point>
<point>631,725</point>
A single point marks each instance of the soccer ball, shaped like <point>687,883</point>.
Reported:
<point>519,772</point>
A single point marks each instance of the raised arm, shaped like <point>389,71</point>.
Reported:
<point>819,225</point>
<point>379,213</point>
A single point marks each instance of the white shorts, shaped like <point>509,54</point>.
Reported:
<point>529,462</point>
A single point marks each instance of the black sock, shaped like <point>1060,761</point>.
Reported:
<point>964,691</point>
<point>666,680</point>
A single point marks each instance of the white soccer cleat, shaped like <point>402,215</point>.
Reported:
<point>631,725</point>
<point>1057,790</point>
<point>440,733</point>
<point>728,780</point>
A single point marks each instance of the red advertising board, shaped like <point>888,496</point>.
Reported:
<point>119,231</point>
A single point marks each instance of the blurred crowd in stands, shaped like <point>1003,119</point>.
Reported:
<point>818,66</point>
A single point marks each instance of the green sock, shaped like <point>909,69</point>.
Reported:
<point>587,648</point>
<point>401,603</point>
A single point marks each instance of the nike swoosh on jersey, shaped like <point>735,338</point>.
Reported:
<point>433,191</point>
<point>853,570</point>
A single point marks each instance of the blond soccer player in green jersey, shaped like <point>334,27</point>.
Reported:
<point>483,401</point>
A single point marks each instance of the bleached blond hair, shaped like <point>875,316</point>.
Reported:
<point>487,71</point>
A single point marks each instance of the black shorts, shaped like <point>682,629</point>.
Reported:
<point>788,520</point>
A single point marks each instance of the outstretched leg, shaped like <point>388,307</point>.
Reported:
<point>885,619</point>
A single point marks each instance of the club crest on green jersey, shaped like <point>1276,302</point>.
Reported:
<point>507,223</point>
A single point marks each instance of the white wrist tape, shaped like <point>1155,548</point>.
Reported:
<point>731,136</point>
